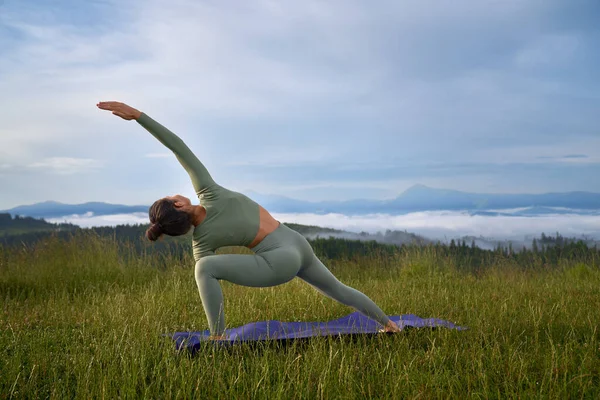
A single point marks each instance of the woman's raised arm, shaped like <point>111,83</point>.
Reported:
<point>198,173</point>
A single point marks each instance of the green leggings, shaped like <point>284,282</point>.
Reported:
<point>279,257</point>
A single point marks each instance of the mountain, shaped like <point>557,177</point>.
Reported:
<point>423,198</point>
<point>54,209</point>
<point>416,198</point>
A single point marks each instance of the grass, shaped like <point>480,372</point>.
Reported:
<point>79,320</point>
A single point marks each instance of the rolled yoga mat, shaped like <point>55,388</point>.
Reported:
<point>355,323</point>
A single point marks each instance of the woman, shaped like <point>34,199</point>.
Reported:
<point>228,218</point>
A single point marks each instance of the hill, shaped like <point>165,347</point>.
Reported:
<point>20,225</point>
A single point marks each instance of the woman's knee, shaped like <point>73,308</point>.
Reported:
<point>204,268</point>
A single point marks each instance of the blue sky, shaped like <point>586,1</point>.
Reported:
<point>313,100</point>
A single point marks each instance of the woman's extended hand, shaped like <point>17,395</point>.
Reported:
<point>120,109</point>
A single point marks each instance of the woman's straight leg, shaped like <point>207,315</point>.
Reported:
<point>317,275</point>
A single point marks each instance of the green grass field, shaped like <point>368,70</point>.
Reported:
<point>79,320</point>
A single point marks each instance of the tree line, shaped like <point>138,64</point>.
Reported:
<point>547,251</point>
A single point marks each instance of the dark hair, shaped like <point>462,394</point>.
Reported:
<point>167,219</point>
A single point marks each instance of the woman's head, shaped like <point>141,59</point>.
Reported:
<point>168,216</point>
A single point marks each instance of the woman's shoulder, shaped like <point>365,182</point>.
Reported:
<point>213,192</point>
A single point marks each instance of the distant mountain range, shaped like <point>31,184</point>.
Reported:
<point>54,209</point>
<point>416,198</point>
<point>423,198</point>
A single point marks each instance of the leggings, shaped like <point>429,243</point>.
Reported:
<point>279,257</point>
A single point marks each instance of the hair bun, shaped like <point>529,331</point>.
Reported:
<point>154,232</point>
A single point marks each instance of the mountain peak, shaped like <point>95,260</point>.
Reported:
<point>418,188</point>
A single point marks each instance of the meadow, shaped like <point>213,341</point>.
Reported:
<point>83,318</point>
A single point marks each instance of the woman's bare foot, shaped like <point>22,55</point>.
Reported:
<point>390,327</point>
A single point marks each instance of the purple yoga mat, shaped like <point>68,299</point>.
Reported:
<point>355,323</point>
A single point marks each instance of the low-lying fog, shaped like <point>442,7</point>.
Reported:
<point>436,225</point>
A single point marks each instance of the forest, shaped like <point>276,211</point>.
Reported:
<point>547,250</point>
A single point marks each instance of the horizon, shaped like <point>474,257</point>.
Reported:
<point>372,99</point>
<point>499,223</point>
<point>291,198</point>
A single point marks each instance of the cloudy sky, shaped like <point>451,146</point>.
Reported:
<point>314,100</point>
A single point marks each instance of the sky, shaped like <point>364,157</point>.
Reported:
<point>312,100</point>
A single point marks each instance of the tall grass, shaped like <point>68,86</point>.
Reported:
<point>84,319</point>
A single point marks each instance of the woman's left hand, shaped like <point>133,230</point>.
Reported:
<point>120,109</point>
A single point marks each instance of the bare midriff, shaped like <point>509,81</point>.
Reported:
<point>267,225</point>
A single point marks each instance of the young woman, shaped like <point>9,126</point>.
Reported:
<point>228,218</point>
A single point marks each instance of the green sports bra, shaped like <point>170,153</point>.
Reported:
<point>232,219</point>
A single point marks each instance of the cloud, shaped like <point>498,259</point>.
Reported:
<point>519,177</point>
<point>432,224</point>
<point>575,156</point>
<point>65,165</point>
<point>440,225</point>
<point>391,87</point>
<point>555,51</point>
<point>88,220</point>
<point>571,159</point>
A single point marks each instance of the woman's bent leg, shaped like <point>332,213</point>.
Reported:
<point>245,270</point>
<point>317,275</point>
